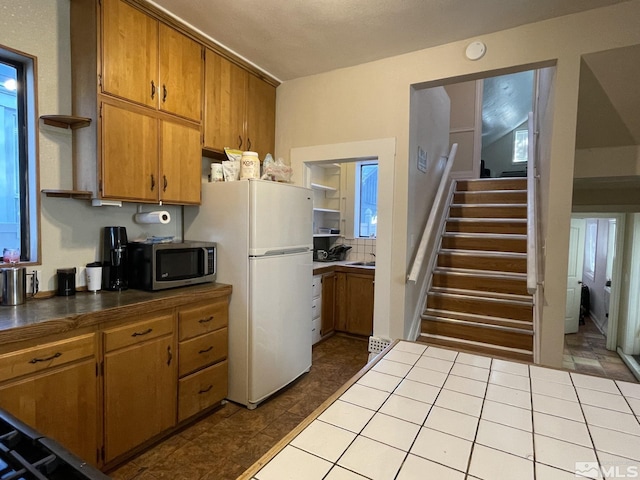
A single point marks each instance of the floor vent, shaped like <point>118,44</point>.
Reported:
<point>376,345</point>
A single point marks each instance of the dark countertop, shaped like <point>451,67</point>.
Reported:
<point>344,266</point>
<point>40,317</point>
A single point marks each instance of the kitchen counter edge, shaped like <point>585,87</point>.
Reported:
<point>39,318</point>
<point>320,268</point>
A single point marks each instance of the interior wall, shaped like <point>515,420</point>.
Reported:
<point>70,230</point>
<point>629,316</point>
<point>499,155</point>
<point>371,101</point>
<point>607,162</point>
<point>465,112</point>
<point>430,110</point>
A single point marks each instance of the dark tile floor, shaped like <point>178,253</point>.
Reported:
<point>586,352</point>
<point>224,444</point>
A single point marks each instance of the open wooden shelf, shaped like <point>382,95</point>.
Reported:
<point>77,194</point>
<point>66,121</point>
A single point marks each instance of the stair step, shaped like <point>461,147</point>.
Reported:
<point>480,260</point>
<point>454,329</point>
<point>486,242</point>
<point>487,225</point>
<point>432,313</point>
<point>510,309</point>
<point>477,347</point>
<point>491,184</point>
<point>490,196</point>
<point>482,293</point>
<point>488,211</point>
<point>480,280</point>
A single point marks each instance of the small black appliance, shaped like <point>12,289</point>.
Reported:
<point>114,258</point>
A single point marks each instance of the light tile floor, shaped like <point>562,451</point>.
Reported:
<point>426,412</point>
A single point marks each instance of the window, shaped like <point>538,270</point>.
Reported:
<point>18,179</point>
<point>366,205</point>
<point>520,146</point>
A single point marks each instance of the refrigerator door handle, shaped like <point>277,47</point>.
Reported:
<point>281,251</point>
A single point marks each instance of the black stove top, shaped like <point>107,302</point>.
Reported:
<point>25,454</point>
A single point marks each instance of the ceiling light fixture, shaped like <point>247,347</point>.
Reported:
<point>475,50</point>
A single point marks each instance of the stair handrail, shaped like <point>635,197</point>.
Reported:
<point>427,233</point>
<point>532,231</point>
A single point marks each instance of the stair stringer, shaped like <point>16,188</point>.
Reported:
<point>425,287</point>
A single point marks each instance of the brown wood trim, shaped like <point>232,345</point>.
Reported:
<point>144,110</point>
<point>273,451</point>
<point>203,40</point>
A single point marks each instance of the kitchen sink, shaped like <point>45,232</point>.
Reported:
<point>364,264</point>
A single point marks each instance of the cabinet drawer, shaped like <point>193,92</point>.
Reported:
<point>41,357</point>
<point>316,307</point>
<point>317,286</point>
<point>133,333</point>
<point>201,390</point>
<point>203,350</point>
<point>204,319</point>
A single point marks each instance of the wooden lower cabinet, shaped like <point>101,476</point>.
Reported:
<point>139,384</point>
<point>59,395</point>
<point>355,296</point>
<point>203,349</point>
<point>328,316</point>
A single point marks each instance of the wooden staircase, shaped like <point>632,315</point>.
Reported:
<point>478,299</point>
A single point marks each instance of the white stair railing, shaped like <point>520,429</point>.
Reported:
<point>432,221</point>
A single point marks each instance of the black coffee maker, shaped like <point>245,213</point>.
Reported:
<point>114,258</point>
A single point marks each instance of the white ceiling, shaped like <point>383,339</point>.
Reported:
<point>294,38</point>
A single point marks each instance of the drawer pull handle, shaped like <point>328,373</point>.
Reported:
<point>206,389</point>
<point>36,360</point>
<point>205,320</point>
<point>206,349</point>
<point>139,334</point>
<point>169,355</point>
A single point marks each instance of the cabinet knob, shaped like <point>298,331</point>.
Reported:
<point>36,360</point>
<point>248,143</point>
<point>153,90</point>
<point>169,355</point>
<point>239,141</point>
<point>164,93</point>
<point>153,182</point>
<point>164,185</point>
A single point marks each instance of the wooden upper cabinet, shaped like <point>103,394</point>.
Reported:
<point>180,163</point>
<point>240,108</point>
<point>180,74</point>
<point>261,121</point>
<point>129,154</point>
<point>224,103</point>
<point>129,53</point>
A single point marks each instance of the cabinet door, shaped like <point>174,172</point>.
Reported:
<point>180,74</point>
<point>139,394</point>
<point>261,116</point>
<point>180,164</point>
<point>224,100</point>
<point>359,306</point>
<point>328,303</point>
<point>129,155</point>
<point>61,404</point>
<point>129,53</point>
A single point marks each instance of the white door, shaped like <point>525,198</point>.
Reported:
<point>280,321</point>
<point>574,274</point>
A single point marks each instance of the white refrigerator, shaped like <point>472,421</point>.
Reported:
<point>264,241</point>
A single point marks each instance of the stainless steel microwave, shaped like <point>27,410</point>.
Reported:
<point>157,266</point>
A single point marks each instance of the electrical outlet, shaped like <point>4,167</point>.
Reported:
<point>36,277</point>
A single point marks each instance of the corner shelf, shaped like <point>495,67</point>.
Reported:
<point>66,121</point>
<point>326,188</point>
<point>77,194</point>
